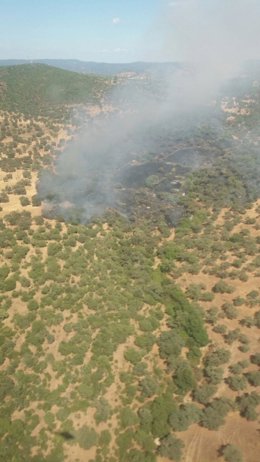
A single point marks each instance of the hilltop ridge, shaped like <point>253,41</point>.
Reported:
<point>38,89</point>
<point>92,67</point>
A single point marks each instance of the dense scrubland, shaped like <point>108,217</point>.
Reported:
<point>41,90</point>
<point>124,338</point>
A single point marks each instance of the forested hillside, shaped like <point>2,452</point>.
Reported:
<point>39,89</point>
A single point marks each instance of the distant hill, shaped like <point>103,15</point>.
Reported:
<point>38,89</point>
<point>90,67</point>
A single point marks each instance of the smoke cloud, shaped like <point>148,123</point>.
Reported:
<point>211,40</point>
<point>216,37</point>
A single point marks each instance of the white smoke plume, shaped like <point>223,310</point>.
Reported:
<point>216,37</point>
<point>211,39</point>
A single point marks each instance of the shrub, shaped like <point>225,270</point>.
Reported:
<point>204,393</point>
<point>148,386</point>
<point>170,343</point>
<point>8,284</point>
<point>54,248</point>
<point>220,329</point>
<point>36,201</point>
<point>128,417</point>
<point>244,348</point>
<point>232,454</point>
<point>214,374</point>
<point>171,448</point>
<point>238,301</point>
<point>217,357</point>
<point>145,441</point>
<point>253,378</point>
<point>133,356</point>
<point>183,417</point>
<point>104,438</point>
<point>4,197</point>
<point>255,359</point>
<point>161,408</point>
<point>232,336</point>
<point>214,414</point>
<point>237,382</point>
<point>222,287</point>
<point>231,312</point>
<point>86,437</point>
<point>184,378</point>
<point>103,411</point>
<point>212,315</point>
<point>24,201</point>
<point>247,404</point>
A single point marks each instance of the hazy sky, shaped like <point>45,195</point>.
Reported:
<point>130,30</point>
<point>100,30</point>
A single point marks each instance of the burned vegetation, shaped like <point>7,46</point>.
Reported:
<point>142,172</point>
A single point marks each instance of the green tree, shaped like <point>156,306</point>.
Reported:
<point>204,393</point>
<point>184,378</point>
<point>253,378</point>
<point>237,382</point>
<point>184,416</point>
<point>171,448</point>
<point>214,414</point>
<point>128,417</point>
<point>170,343</point>
<point>231,453</point>
<point>86,437</point>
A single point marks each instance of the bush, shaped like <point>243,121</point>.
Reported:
<point>128,417</point>
<point>171,448</point>
<point>86,437</point>
<point>4,197</point>
<point>161,408</point>
<point>244,348</point>
<point>36,201</point>
<point>253,378</point>
<point>54,248</point>
<point>170,343</point>
<point>232,454</point>
<point>214,374</point>
<point>184,378</point>
<point>133,356</point>
<point>220,329</point>
<point>232,336</point>
<point>237,368</point>
<point>231,312</point>
<point>8,284</point>
<point>238,301</point>
<point>255,359</point>
<point>24,201</point>
<point>204,393</point>
<point>237,382</point>
<point>103,411</point>
<point>247,404</point>
<point>217,357</point>
<point>214,414</point>
<point>145,441</point>
<point>223,288</point>
<point>148,386</point>
<point>104,438</point>
<point>183,417</point>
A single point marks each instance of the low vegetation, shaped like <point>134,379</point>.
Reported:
<point>119,336</point>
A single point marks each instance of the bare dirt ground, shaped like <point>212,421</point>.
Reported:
<point>202,445</point>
